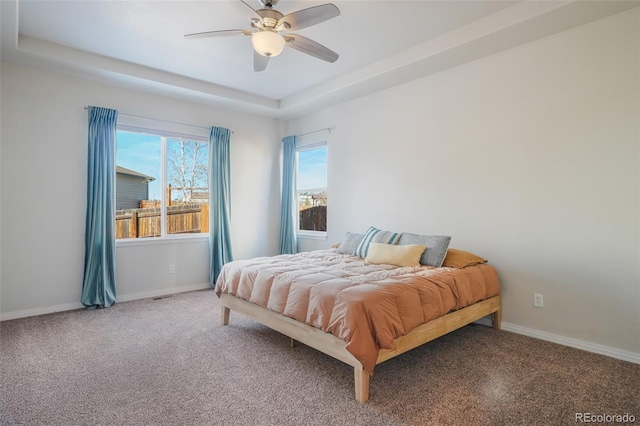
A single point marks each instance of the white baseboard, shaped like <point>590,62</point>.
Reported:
<point>162,292</point>
<point>40,311</point>
<point>125,298</point>
<point>567,341</point>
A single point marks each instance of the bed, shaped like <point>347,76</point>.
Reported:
<point>359,313</point>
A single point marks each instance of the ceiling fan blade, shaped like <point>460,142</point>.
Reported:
<point>307,17</point>
<point>222,33</point>
<point>310,47</point>
<point>259,62</point>
<point>247,4</point>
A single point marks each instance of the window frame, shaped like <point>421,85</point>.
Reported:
<point>307,234</point>
<point>164,130</point>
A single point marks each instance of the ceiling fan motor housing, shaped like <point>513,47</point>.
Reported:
<point>270,17</point>
<point>268,3</point>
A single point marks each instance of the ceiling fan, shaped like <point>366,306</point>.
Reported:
<point>268,32</point>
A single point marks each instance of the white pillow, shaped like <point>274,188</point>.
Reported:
<point>407,255</point>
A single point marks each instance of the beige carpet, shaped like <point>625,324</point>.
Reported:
<point>170,362</point>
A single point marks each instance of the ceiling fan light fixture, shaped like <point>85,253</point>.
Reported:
<point>268,43</point>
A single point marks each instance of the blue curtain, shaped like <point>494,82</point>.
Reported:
<point>99,283</point>
<point>219,185</point>
<point>288,244</point>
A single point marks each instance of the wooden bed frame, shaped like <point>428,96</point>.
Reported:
<point>331,345</point>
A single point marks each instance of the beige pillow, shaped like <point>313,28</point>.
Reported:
<point>391,254</point>
<point>460,259</point>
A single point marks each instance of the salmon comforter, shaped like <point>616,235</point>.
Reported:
<point>367,306</point>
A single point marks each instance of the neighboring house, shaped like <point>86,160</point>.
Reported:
<point>319,199</point>
<point>132,187</point>
<point>200,197</point>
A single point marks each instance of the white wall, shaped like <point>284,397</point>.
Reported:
<point>529,157</point>
<point>44,151</point>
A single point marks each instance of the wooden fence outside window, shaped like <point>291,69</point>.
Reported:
<point>313,219</point>
<point>182,218</point>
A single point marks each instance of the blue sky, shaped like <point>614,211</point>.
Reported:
<point>141,153</point>
<point>312,168</point>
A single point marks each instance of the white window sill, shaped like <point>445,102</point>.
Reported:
<point>137,242</point>
<point>311,235</point>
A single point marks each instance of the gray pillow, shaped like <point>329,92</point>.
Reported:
<point>436,250</point>
<point>350,242</point>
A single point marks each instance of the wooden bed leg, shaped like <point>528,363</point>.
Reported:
<point>293,343</point>
<point>225,315</point>
<point>361,378</point>
<point>496,319</point>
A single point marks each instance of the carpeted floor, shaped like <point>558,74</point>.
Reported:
<point>170,362</point>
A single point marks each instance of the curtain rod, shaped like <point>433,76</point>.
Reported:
<point>164,121</point>
<point>314,132</point>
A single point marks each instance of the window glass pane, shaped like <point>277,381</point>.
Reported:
<point>312,189</point>
<point>138,185</point>
<point>142,181</point>
<point>313,210</point>
<point>312,168</point>
<point>187,187</point>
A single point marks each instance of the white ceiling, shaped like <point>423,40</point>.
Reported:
<point>381,43</point>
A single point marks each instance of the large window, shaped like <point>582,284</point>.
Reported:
<point>311,182</point>
<point>161,185</point>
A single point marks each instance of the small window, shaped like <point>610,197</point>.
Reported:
<point>312,188</point>
<point>161,186</point>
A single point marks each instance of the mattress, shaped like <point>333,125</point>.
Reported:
<point>368,306</point>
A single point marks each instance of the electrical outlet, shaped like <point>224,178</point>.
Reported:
<point>172,269</point>
<point>538,302</point>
